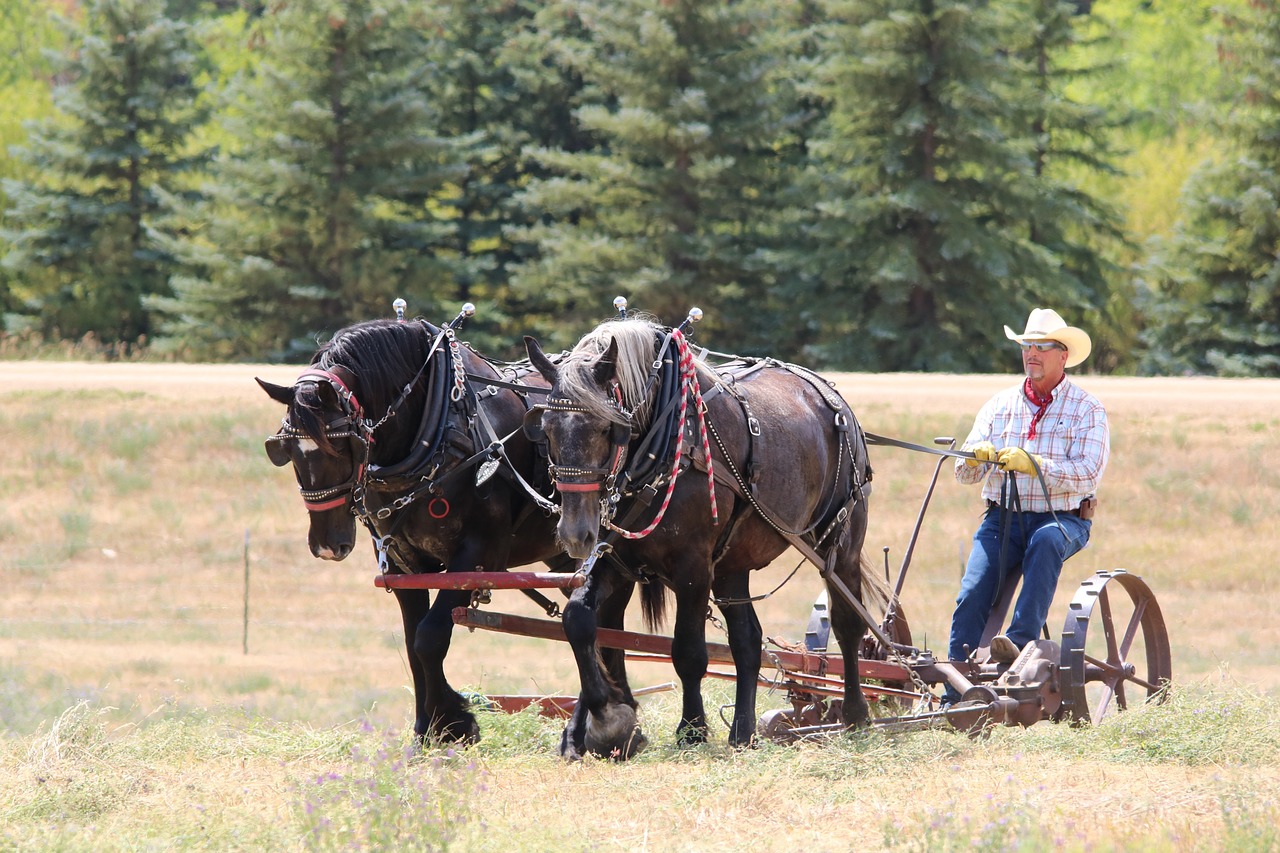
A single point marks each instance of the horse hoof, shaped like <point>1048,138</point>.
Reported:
<point>462,730</point>
<point>567,750</point>
<point>615,733</point>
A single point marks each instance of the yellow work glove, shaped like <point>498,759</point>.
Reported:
<point>983,451</point>
<point>1018,460</point>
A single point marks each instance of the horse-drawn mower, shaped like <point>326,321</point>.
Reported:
<point>1113,653</point>
<point>447,458</point>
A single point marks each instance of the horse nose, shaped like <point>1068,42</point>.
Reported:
<point>577,540</point>
<point>330,539</point>
<point>334,548</point>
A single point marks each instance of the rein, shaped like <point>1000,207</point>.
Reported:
<point>1008,503</point>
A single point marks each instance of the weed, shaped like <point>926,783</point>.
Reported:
<point>75,530</point>
<point>389,799</point>
<point>125,477</point>
<point>131,440</point>
<point>1251,820</point>
<point>252,683</point>
<point>1004,826</point>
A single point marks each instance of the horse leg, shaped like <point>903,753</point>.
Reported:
<point>602,723</point>
<point>414,604</point>
<point>610,614</point>
<point>445,713</point>
<point>745,642</point>
<point>848,628</point>
<point>689,657</point>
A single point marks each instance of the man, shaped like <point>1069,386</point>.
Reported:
<point>1044,427</point>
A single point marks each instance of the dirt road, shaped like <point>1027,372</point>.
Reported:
<point>1121,394</point>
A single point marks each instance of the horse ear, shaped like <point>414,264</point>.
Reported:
<point>539,359</point>
<point>279,393</point>
<point>606,366</point>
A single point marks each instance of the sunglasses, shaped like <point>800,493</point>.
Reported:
<point>1042,347</point>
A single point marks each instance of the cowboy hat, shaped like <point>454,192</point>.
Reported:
<point>1044,324</point>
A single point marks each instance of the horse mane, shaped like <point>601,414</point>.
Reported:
<point>637,340</point>
<point>380,356</point>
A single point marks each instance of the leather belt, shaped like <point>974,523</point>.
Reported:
<point>1076,512</point>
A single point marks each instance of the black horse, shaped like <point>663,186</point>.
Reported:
<point>697,477</point>
<point>399,425</point>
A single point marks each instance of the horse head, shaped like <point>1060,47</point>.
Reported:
<point>324,436</point>
<point>587,425</point>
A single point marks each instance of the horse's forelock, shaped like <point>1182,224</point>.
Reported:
<point>380,355</point>
<point>305,416</point>
<point>636,341</point>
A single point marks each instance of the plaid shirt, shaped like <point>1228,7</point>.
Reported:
<point>1072,439</point>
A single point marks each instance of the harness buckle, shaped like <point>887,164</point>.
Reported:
<point>380,548</point>
<point>597,552</point>
<point>753,425</point>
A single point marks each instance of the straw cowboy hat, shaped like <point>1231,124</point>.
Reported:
<point>1045,324</point>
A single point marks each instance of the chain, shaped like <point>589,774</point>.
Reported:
<point>459,374</point>
<point>396,505</point>
<point>746,492</point>
<point>925,702</point>
<point>715,622</point>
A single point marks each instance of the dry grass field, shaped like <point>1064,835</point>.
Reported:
<point>138,714</point>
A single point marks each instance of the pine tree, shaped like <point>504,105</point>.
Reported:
<point>104,172</point>
<point>1214,289</point>
<point>1072,141</point>
<point>925,189</point>
<point>495,86</point>
<point>331,204</point>
<point>26,32</point>
<point>666,211</point>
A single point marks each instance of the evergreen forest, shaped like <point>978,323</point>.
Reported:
<point>866,185</point>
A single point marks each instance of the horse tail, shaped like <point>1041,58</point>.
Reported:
<point>875,590</point>
<point>653,604</point>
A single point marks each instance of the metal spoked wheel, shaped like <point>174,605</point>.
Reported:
<point>1115,648</point>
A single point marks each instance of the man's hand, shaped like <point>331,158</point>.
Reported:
<point>1018,460</point>
<point>983,451</point>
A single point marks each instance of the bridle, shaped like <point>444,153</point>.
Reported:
<point>350,425</point>
<point>620,435</point>
<point>354,427</point>
<point>605,479</point>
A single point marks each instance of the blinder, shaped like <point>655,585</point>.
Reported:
<point>620,434</point>
<point>277,452</point>
<point>532,426</point>
<point>347,425</point>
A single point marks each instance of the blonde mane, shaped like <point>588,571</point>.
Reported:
<point>637,344</point>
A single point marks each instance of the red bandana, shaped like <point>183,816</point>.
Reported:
<point>1041,404</point>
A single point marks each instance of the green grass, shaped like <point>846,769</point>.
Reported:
<point>361,787</point>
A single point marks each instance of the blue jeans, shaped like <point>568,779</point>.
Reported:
<point>1037,543</point>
